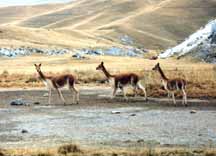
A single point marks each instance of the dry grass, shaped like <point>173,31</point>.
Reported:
<point>71,148</point>
<point>105,151</point>
<point>201,77</point>
<point>152,24</point>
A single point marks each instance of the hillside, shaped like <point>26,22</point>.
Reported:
<point>155,24</point>
<point>201,45</point>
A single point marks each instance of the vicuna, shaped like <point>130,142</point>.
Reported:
<point>122,80</point>
<point>171,85</point>
<point>57,82</point>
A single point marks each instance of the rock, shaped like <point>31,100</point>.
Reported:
<point>24,51</point>
<point>200,45</point>
<point>116,112</point>
<point>24,131</point>
<point>46,95</point>
<point>18,102</point>
<point>78,56</point>
<point>133,115</point>
<point>127,40</point>
<point>193,111</point>
<point>36,103</point>
<point>113,51</point>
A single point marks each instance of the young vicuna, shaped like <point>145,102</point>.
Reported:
<point>122,80</point>
<point>57,82</point>
<point>171,85</point>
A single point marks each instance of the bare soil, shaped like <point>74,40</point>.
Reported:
<point>101,121</point>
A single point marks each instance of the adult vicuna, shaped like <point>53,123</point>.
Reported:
<point>57,82</point>
<point>171,85</point>
<point>122,80</point>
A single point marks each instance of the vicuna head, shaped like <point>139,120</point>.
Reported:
<point>156,67</point>
<point>38,67</point>
<point>100,66</point>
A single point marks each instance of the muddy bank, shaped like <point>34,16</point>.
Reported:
<point>99,120</point>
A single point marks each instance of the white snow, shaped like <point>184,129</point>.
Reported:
<point>192,42</point>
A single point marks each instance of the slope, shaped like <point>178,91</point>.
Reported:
<point>155,24</point>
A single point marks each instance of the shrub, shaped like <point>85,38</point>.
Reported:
<point>71,148</point>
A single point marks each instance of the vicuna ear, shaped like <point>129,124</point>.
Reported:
<point>102,62</point>
<point>39,64</point>
<point>158,63</point>
<point>35,65</point>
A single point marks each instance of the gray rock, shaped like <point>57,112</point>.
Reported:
<point>201,45</point>
<point>127,40</point>
<point>18,102</point>
<point>113,51</point>
<point>78,56</point>
<point>133,115</point>
<point>24,131</point>
<point>36,103</point>
<point>24,51</point>
<point>116,112</point>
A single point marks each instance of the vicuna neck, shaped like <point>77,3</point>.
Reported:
<point>107,74</point>
<point>162,74</point>
<point>42,76</point>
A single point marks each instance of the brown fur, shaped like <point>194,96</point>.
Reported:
<point>172,84</point>
<point>121,80</point>
<point>176,84</point>
<point>61,81</point>
<point>58,82</point>
<point>127,78</point>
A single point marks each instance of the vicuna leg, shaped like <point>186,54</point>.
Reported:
<point>168,94</point>
<point>135,89</point>
<point>50,94</point>
<point>60,95</point>
<point>72,94</point>
<point>184,101</point>
<point>114,92</point>
<point>173,97</point>
<point>142,88</point>
<point>76,95</point>
<point>124,93</point>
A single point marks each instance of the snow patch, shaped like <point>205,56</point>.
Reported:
<point>202,36</point>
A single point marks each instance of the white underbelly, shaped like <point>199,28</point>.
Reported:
<point>48,84</point>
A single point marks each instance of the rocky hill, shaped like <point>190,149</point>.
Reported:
<point>201,45</point>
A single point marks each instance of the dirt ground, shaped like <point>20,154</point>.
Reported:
<point>101,121</point>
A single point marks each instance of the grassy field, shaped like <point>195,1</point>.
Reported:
<point>20,72</point>
<point>75,150</point>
